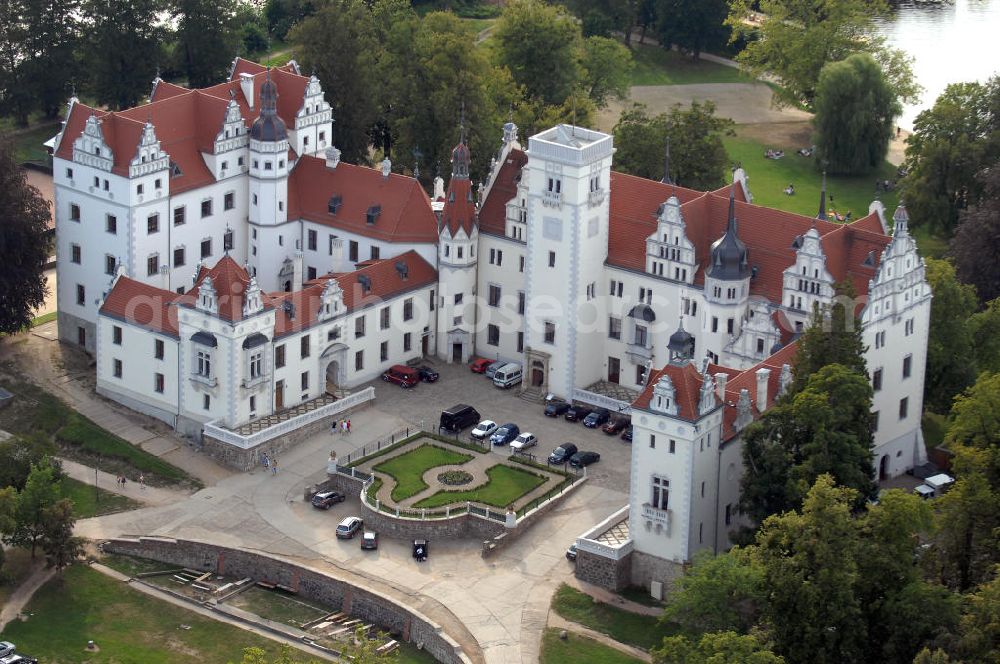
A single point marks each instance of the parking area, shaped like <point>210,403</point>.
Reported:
<point>422,406</point>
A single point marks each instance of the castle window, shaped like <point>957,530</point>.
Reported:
<point>74,212</point>
<point>229,201</point>
<point>109,264</point>
<point>117,368</point>
<point>877,380</point>
<point>116,335</point>
<point>227,241</point>
<point>179,257</point>
<point>904,407</point>
<point>158,383</point>
<point>661,493</point>
<point>153,224</point>
<point>158,349</point>
<point>179,215</point>
<point>492,335</point>
<point>384,351</point>
<point>494,295</point>
<point>152,265</point>
<point>74,250</point>
<point>907,366</point>
<point>550,332</point>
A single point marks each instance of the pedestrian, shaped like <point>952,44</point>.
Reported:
<point>343,426</point>
<point>333,427</point>
<point>142,482</point>
<point>265,462</point>
<point>274,466</point>
<point>348,426</point>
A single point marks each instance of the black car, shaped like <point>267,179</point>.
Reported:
<point>627,435</point>
<point>596,418</point>
<point>427,374</point>
<point>581,459</point>
<point>505,434</point>
<point>556,408</point>
<point>326,499</point>
<point>562,453</point>
<point>421,549</point>
<point>577,413</point>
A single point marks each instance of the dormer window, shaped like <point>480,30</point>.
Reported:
<point>372,214</point>
<point>334,205</point>
<point>97,151</point>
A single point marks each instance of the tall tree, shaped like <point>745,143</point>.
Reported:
<point>540,45</point>
<point>8,516</point>
<point>715,648</point>
<point>40,492</point>
<point>952,142</point>
<point>61,547</point>
<point>18,455</point>
<point>606,67</point>
<point>975,423</point>
<point>24,216</point>
<point>949,345</point>
<point>984,327</point>
<point>206,42</point>
<point>15,95</point>
<point>976,245</point>
<point>810,566</point>
<point>980,627</point>
<point>856,113</point>
<point>697,156</point>
<point>52,35</point>
<point>347,72</point>
<point>717,594</point>
<point>283,15</point>
<point>797,38</point>
<point>823,429</point>
<point>832,337</point>
<point>693,26</point>
<point>123,49</point>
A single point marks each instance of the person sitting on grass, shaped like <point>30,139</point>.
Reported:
<point>790,189</point>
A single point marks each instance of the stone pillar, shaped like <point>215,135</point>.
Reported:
<point>220,565</point>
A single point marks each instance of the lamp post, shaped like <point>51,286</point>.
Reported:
<point>97,497</point>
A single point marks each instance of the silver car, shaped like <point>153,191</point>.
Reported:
<point>484,430</point>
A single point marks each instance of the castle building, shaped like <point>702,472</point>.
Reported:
<point>237,280</point>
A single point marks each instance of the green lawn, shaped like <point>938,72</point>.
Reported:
<point>127,626</point>
<point>278,606</point>
<point>86,504</point>
<point>408,469</point>
<point>133,566</point>
<point>505,485</point>
<point>44,318</point>
<point>640,596</point>
<point>579,650</point>
<point>631,628</point>
<point>28,143</point>
<point>16,568</point>
<point>38,414</point>
<point>658,66</point>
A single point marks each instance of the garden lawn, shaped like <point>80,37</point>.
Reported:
<point>579,650</point>
<point>86,504</point>
<point>278,606</point>
<point>632,628</point>
<point>505,485</point>
<point>408,469</point>
<point>28,143</point>
<point>658,66</point>
<point>127,626</point>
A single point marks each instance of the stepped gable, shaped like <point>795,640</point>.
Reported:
<point>186,121</point>
<point>687,389</point>
<point>748,380</point>
<point>385,279</point>
<point>142,305</point>
<point>230,281</point>
<point>493,215</point>
<point>405,213</point>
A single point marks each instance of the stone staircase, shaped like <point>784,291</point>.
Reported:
<point>288,413</point>
<point>532,394</point>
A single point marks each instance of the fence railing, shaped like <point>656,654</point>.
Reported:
<point>373,448</point>
<point>291,424</point>
<point>602,401</point>
<point>546,498</point>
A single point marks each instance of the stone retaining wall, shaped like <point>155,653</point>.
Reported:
<point>605,572</point>
<point>367,605</point>
<point>647,568</point>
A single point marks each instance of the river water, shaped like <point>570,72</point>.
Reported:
<point>950,43</point>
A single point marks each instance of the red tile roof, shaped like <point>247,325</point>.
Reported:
<point>145,306</point>
<point>687,389</point>
<point>229,280</point>
<point>493,215</point>
<point>406,214</point>
<point>460,208</point>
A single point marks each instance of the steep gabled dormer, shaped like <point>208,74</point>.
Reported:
<point>207,300</point>
<point>233,133</point>
<point>253,303</point>
<point>331,301</point>
<point>900,281</point>
<point>313,121</point>
<point>759,337</point>
<point>664,399</point>
<point>669,252</point>
<point>807,281</point>
<point>149,157</point>
<point>91,149</point>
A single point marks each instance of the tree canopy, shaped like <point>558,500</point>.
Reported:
<point>124,40</point>
<point>693,25</point>
<point>205,39</point>
<point>856,111</point>
<point>950,356</point>
<point>976,245</point>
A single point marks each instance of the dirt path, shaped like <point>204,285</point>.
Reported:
<point>20,597</point>
<point>148,495</point>
<point>559,622</point>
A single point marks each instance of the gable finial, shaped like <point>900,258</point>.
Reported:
<point>822,199</point>
<point>461,124</point>
<point>666,164</point>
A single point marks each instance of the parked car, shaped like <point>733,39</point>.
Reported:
<point>7,648</point>
<point>507,376</point>
<point>327,499</point>
<point>596,418</point>
<point>421,549</point>
<point>479,364</point>
<point>484,430</point>
<point>627,434</point>
<point>491,370</point>
<point>18,659</point>
<point>427,374</point>
<point>616,425</point>
<point>523,442</point>
<point>581,459</point>
<point>571,552</point>
<point>577,413</point>
<point>369,540</point>
<point>505,434</point>
<point>556,408</point>
<point>458,417</point>
<point>401,375</point>
<point>349,527</point>
<point>562,453</point>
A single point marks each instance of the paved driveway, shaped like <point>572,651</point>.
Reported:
<point>423,404</point>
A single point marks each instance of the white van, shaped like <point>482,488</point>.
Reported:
<point>507,375</point>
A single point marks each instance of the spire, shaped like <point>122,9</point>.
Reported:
<point>731,224</point>
<point>729,255</point>
<point>268,126</point>
<point>901,221</point>
<point>461,125</point>
<point>666,164</point>
<point>460,156</point>
<point>822,200</point>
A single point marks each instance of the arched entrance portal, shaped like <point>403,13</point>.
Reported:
<point>537,373</point>
<point>331,362</point>
<point>883,467</point>
<point>332,377</point>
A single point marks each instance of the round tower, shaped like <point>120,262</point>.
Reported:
<point>727,286</point>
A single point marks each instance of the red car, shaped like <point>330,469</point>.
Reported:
<point>402,376</point>
<point>479,365</point>
<point>616,425</point>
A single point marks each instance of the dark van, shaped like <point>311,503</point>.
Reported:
<point>562,453</point>
<point>459,417</point>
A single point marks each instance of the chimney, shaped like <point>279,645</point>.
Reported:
<point>386,168</point>
<point>720,385</point>
<point>332,157</point>
<point>246,85</point>
<point>438,188</point>
<point>763,375</point>
<point>297,272</point>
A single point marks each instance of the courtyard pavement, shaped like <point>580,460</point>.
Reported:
<point>496,608</point>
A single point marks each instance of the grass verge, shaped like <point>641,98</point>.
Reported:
<point>127,626</point>
<point>632,628</point>
<point>44,318</point>
<point>640,596</point>
<point>87,504</point>
<point>408,469</point>
<point>579,650</point>
<point>278,606</point>
<point>28,143</point>
<point>658,66</point>
<point>505,485</point>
